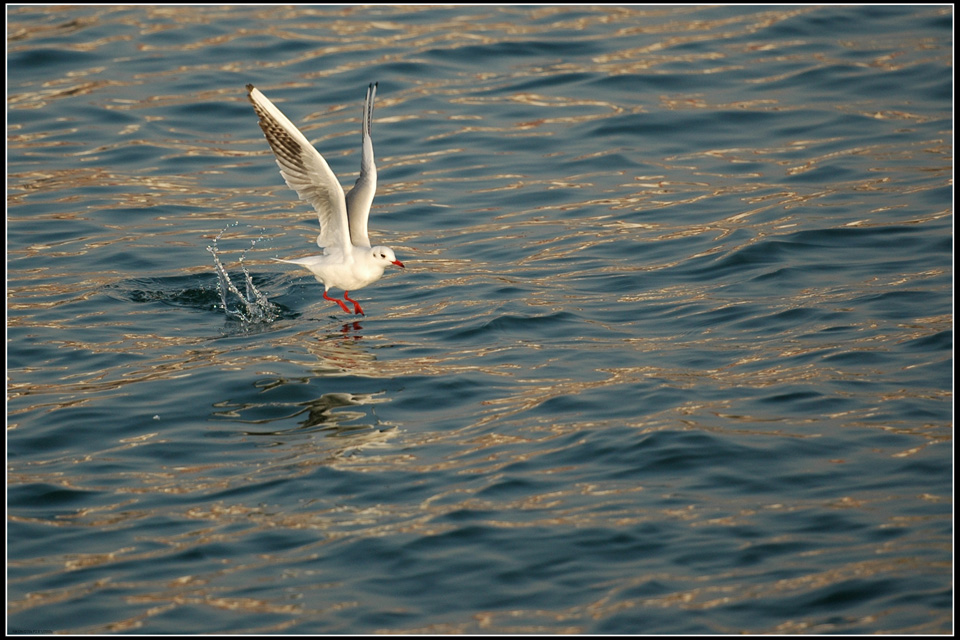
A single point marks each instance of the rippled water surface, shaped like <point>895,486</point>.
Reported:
<point>672,352</point>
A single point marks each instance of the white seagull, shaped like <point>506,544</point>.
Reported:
<point>348,261</point>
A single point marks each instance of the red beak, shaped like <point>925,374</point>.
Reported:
<point>399,264</point>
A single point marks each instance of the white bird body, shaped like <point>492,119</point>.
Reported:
<point>347,272</point>
<point>348,261</point>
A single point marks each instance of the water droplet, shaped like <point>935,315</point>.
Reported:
<point>252,308</point>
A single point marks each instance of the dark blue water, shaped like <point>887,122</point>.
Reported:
<point>672,353</point>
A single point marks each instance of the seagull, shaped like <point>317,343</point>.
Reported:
<point>348,261</point>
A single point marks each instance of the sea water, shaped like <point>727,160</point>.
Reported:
<point>672,352</point>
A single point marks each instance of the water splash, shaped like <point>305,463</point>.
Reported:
<point>252,307</point>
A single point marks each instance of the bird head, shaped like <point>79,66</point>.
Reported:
<point>385,254</point>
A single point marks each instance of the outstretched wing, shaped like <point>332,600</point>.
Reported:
<point>305,171</point>
<point>360,198</point>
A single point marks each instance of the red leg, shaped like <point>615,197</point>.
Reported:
<point>339,302</point>
<point>356,305</point>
